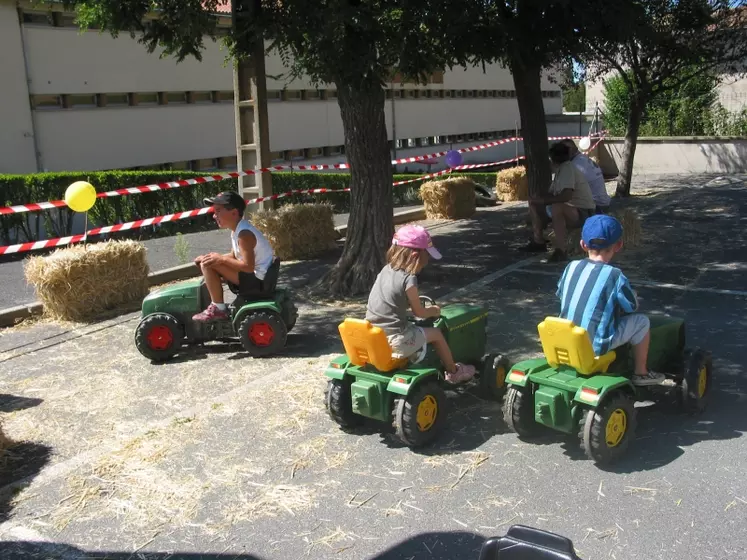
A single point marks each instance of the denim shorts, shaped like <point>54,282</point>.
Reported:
<point>632,328</point>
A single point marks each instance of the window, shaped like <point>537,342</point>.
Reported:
<point>273,95</point>
<point>150,98</point>
<point>277,157</point>
<point>425,141</point>
<point>117,99</point>
<point>336,150</point>
<point>291,95</point>
<point>38,18</point>
<point>224,96</point>
<point>314,152</point>
<point>292,155</point>
<point>227,162</point>
<point>46,101</point>
<point>204,164</point>
<point>78,101</point>
<point>312,94</point>
<point>410,94</point>
<point>331,94</point>
<point>176,97</point>
<point>200,97</point>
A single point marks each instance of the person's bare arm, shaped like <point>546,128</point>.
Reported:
<point>246,243</point>
<point>417,308</point>
<point>564,196</point>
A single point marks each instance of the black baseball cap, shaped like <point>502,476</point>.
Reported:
<point>229,199</point>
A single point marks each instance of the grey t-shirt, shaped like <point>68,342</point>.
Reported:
<point>387,302</point>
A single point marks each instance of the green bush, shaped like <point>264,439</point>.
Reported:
<point>41,187</point>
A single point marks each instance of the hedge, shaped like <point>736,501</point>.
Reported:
<point>40,187</point>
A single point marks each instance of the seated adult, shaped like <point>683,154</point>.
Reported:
<point>568,204</point>
<point>593,175</point>
<point>247,263</point>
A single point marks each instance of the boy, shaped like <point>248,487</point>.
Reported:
<point>247,263</point>
<point>593,175</point>
<point>598,297</point>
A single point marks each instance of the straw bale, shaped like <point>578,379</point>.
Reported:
<point>632,232</point>
<point>78,283</point>
<point>298,231</point>
<point>512,184</point>
<point>452,198</point>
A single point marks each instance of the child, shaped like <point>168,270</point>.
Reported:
<point>395,287</point>
<point>598,297</point>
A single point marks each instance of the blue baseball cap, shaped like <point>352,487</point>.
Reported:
<point>601,231</point>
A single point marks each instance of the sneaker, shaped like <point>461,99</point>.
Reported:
<point>558,255</point>
<point>212,313</point>
<point>463,373</point>
<point>534,247</point>
<point>651,378</point>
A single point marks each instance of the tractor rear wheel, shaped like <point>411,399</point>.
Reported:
<point>696,383</point>
<point>159,336</point>
<point>609,429</point>
<point>493,375</point>
<point>262,333</point>
<point>518,411</point>
<point>338,401</point>
<point>419,417</point>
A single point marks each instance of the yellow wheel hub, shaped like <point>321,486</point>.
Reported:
<point>427,412</point>
<point>702,381</point>
<point>617,425</point>
<point>500,376</point>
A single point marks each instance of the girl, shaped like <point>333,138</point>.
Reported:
<point>396,286</point>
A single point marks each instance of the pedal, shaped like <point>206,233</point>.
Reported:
<point>671,383</point>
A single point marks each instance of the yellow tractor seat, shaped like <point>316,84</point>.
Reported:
<point>566,344</point>
<point>366,344</point>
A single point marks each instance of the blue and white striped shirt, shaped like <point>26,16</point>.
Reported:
<point>594,295</point>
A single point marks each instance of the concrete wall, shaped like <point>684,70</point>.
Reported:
<point>678,155</point>
<point>16,127</point>
<point>76,134</point>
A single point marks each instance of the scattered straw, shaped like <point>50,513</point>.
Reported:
<point>452,198</point>
<point>5,441</point>
<point>512,184</point>
<point>78,283</point>
<point>271,501</point>
<point>298,231</point>
<point>631,223</point>
<point>477,459</point>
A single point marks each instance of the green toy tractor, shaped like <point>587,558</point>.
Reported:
<point>573,391</point>
<point>367,381</point>
<point>260,320</point>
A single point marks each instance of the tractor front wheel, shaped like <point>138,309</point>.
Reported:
<point>159,336</point>
<point>493,375</point>
<point>518,413</point>
<point>609,429</point>
<point>419,417</point>
<point>696,383</point>
<point>262,333</point>
<point>338,401</point>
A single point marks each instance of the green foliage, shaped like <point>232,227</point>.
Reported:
<point>688,108</point>
<point>574,98</point>
<point>181,248</point>
<point>42,187</point>
<point>682,110</point>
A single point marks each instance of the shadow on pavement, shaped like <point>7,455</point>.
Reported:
<point>22,550</point>
<point>436,546</point>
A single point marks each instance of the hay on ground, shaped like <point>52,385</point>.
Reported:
<point>452,198</point>
<point>298,231</point>
<point>78,283</point>
<point>512,184</point>
<point>5,441</point>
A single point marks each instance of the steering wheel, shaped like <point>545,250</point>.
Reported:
<point>425,301</point>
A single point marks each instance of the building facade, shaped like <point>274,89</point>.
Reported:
<point>75,100</point>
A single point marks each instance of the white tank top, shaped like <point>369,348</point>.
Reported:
<point>263,253</point>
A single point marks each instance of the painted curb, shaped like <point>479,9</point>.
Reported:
<point>8,317</point>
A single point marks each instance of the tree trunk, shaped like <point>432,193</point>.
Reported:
<point>528,84</point>
<point>631,140</point>
<point>370,225</point>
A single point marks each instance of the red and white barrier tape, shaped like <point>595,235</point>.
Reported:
<point>38,206</point>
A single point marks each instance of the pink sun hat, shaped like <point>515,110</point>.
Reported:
<point>415,237</point>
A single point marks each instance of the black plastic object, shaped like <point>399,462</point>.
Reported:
<point>527,543</point>
<point>269,283</point>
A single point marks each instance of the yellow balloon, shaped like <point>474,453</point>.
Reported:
<point>80,196</point>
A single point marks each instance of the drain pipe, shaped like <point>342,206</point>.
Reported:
<point>37,153</point>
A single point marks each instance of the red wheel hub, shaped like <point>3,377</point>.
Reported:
<point>160,337</point>
<point>261,334</point>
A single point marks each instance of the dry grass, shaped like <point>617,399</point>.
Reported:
<point>511,184</point>
<point>298,231</point>
<point>271,500</point>
<point>632,232</point>
<point>452,198</point>
<point>81,282</point>
<point>5,441</point>
<point>137,484</point>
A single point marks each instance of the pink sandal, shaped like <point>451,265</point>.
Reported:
<point>463,373</point>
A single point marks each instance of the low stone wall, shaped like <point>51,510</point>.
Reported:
<point>677,155</point>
